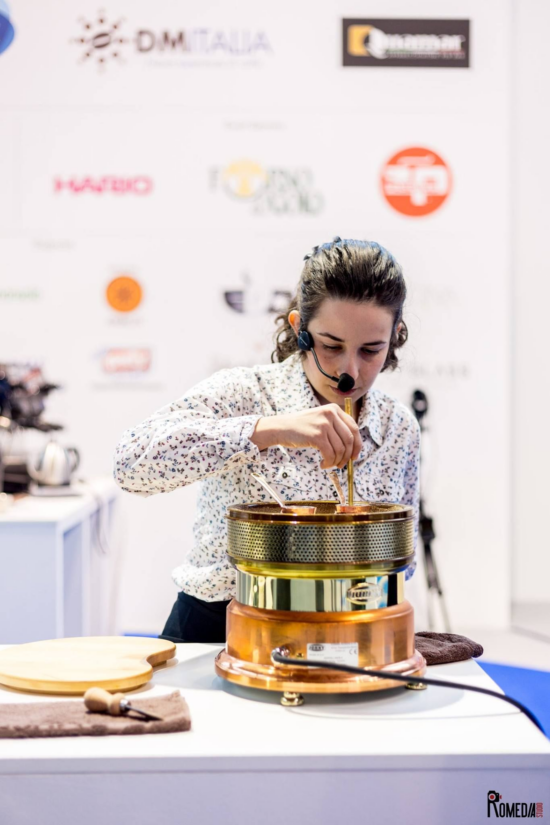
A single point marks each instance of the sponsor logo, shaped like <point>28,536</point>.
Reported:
<point>268,190</point>
<point>439,371</point>
<point>364,592</point>
<point>126,361</point>
<point>495,807</point>
<point>252,300</point>
<point>395,42</point>
<point>106,184</point>
<point>18,294</point>
<point>102,40</point>
<point>7,32</point>
<point>239,301</point>
<point>416,181</point>
<point>205,41</point>
<point>124,294</point>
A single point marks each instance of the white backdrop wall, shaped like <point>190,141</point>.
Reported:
<point>166,128</point>
<point>531,134</point>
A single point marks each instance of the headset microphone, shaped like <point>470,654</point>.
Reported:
<point>305,342</point>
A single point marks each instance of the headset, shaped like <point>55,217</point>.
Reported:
<point>344,382</point>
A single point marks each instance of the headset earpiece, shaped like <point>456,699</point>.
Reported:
<point>305,340</point>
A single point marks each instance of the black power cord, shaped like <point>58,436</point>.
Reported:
<point>279,657</point>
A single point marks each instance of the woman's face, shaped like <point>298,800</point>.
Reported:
<point>348,337</point>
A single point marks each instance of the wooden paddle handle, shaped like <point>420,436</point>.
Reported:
<point>97,699</point>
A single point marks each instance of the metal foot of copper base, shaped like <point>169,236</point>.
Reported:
<point>416,686</point>
<point>291,700</point>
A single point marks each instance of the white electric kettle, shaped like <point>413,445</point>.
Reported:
<point>54,465</point>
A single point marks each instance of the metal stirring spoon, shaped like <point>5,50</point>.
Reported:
<point>298,510</point>
<point>350,507</point>
<point>349,410</point>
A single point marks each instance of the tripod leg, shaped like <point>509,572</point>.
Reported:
<point>428,575</point>
<point>434,585</point>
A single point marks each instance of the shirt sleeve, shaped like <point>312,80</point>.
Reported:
<point>196,436</point>
<point>411,480</point>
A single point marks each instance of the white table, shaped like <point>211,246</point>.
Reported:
<point>395,757</point>
<point>54,565</point>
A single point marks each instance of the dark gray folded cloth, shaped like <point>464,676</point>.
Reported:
<point>38,719</point>
<point>442,648</point>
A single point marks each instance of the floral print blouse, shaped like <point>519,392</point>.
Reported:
<point>205,437</point>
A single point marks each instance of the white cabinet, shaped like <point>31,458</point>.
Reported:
<point>58,565</point>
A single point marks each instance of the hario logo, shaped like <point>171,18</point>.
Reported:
<point>111,184</point>
<point>512,809</point>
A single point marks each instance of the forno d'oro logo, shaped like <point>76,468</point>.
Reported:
<point>124,294</point>
<point>7,32</point>
<point>268,189</point>
<point>416,181</point>
<point>244,179</point>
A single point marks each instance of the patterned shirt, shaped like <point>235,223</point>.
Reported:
<point>205,437</point>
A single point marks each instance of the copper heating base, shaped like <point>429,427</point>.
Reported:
<point>318,680</point>
<point>385,638</point>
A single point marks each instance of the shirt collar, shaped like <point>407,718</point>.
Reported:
<point>304,398</point>
<point>297,392</point>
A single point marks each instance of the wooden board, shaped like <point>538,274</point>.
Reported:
<point>74,665</point>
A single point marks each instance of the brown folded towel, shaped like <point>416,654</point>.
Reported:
<point>33,719</point>
<point>441,648</point>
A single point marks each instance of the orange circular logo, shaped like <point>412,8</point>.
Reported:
<point>416,181</point>
<point>124,294</point>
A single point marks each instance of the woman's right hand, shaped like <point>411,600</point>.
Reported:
<point>327,428</point>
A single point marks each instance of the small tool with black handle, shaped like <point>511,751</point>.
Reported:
<point>116,704</point>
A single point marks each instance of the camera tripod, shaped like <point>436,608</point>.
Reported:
<point>427,532</point>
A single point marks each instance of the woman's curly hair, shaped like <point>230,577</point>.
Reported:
<point>346,270</point>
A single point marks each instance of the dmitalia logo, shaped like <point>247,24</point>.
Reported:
<point>495,807</point>
<point>105,184</point>
<point>103,39</point>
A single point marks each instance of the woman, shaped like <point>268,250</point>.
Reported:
<point>285,420</point>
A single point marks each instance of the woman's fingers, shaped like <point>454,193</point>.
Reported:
<point>328,428</point>
<point>347,441</point>
<point>327,451</point>
<point>337,450</point>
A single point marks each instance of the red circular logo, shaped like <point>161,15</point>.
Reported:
<point>416,181</point>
